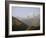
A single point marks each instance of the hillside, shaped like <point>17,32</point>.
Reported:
<point>19,24</point>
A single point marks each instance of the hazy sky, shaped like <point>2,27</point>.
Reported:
<point>24,11</point>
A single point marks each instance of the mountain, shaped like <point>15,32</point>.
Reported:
<point>18,25</point>
<point>28,23</point>
<point>29,20</point>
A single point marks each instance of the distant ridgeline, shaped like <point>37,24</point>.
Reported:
<point>18,25</point>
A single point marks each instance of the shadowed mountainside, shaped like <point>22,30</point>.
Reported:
<point>18,25</point>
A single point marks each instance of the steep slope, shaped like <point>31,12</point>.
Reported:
<point>17,25</point>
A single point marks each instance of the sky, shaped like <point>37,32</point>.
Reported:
<point>25,11</point>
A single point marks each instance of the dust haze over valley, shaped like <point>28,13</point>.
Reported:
<point>29,16</point>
